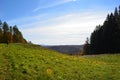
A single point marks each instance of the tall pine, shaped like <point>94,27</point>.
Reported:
<point>106,38</point>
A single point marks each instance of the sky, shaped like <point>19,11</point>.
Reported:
<point>56,22</point>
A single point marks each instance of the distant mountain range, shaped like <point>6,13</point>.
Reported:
<point>66,49</point>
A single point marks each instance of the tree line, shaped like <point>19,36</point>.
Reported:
<point>105,38</point>
<point>9,34</point>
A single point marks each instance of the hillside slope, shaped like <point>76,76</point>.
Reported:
<point>66,49</point>
<point>29,62</point>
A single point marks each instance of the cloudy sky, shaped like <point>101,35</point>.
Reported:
<point>56,22</point>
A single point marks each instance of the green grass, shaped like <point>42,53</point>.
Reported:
<point>29,62</point>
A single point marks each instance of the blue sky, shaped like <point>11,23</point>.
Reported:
<point>56,22</point>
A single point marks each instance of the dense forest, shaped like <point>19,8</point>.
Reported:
<point>9,34</point>
<point>105,38</point>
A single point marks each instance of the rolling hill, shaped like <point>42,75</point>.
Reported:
<point>66,49</point>
<point>32,62</point>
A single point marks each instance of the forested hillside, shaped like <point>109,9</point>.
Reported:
<point>9,34</point>
<point>105,38</point>
<point>67,49</point>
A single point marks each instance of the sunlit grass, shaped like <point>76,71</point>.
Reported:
<point>29,62</point>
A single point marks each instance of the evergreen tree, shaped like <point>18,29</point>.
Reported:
<point>0,22</point>
<point>11,35</point>
<point>5,27</point>
<point>106,38</point>
<point>5,31</point>
<point>1,36</point>
<point>17,35</point>
<point>116,13</point>
<point>119,10</point>
<point>86,47</point>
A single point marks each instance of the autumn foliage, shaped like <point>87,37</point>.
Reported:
<point>9,34</point>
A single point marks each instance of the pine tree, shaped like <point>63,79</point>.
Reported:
<point>119,10</point>
<point>11,34</point>
<point>5,31</point>
<point>1,36</point>
<point>116,13</point>
<point>106,38</point>
<point>5,27</point>
<point>17,36</point>
<point>0,22</point>
<point>86,47</point>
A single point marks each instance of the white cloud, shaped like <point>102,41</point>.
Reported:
<point>67,29</point>
<point>26,20</point>
<point>52,4</point>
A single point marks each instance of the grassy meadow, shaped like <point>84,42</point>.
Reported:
<point>30,62</point>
